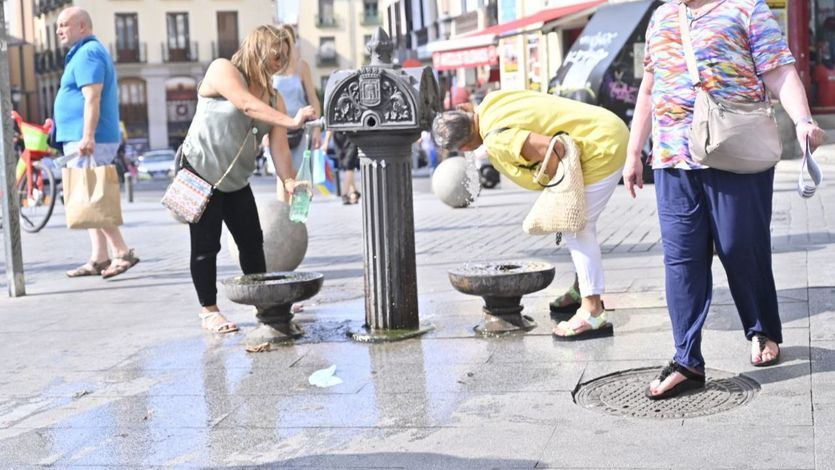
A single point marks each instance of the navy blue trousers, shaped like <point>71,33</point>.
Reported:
<point>700,208</point>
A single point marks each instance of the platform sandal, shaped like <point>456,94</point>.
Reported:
<point>600,327</point>
<point>559,305</point>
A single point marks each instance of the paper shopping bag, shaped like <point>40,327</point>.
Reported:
<point>324,176</point>
<point>91,197</point>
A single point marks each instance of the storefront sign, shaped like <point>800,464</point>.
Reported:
<point>512,70</point>
<point>534,62</point>
<point>465,58</point>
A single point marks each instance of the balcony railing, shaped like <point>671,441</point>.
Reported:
<point>39,66</point>
<point>327,21</point>
<point>137,54</point>
<point>466,23</point>
<point>180,54</point>
<point>326,59</point>
<point>43,7</point>
<point>370,18</point>
<point>422,36</point>
<point>50,60</point>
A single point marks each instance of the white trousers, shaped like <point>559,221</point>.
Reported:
<point>585,250</point>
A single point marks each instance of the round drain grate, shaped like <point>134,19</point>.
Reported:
<point>623,394</point>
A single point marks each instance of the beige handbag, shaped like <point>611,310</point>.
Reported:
<point>726,135</point>
<point>562,205</point>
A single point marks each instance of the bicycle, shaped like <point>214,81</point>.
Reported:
<point>35,183</point>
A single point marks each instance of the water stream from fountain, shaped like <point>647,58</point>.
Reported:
<point>472,184</point>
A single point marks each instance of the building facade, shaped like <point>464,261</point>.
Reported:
<point>21,52</point>
<point>332,33</point>
<point>161,49</point>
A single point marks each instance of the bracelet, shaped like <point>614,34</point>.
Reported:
<point>288,179</point>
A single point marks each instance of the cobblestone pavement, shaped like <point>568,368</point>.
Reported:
<point>118,372</point>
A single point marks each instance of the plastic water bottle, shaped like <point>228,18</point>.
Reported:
<point>300,201</point>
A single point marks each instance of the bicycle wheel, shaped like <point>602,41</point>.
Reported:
<point>36,205</point>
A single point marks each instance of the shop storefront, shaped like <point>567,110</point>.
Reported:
<point>519,53</point>
<point>810,29</point>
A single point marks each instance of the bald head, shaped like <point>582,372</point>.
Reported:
<point>73,24</point>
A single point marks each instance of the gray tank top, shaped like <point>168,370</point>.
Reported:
<point>292,90</point>
<point>214,138</point>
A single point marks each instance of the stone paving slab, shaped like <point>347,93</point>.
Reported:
<point>118,372</point>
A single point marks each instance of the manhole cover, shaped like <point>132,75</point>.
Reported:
<point>623,394</point>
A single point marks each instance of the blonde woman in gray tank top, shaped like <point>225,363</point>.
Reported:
<point>236,107</point>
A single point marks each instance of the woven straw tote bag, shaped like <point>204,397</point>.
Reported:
<point>562,205</point>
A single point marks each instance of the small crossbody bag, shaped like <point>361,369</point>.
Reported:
<point>726,135</point>
<point>188,194</point>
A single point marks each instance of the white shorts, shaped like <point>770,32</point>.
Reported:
<point>104,154</point>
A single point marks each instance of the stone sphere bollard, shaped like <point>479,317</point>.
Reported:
<point>455,181</point>
<point>285,241</point>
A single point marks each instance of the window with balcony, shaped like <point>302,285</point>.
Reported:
<point>370,12</point>
<point>227,33</point>
<point>327,51</point>
<point>471,5</point>
<point>127,38</point>
<point>178,38</point>
<point>326,17</point>
<point>133,106</point>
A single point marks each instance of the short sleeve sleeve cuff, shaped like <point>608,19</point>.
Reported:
<point>89,69</point>
<point>768,45</point>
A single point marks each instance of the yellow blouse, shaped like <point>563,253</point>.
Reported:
<point>600,135</point>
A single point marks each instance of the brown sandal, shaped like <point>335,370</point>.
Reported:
<point>90,268</point>
<point>120,264</point>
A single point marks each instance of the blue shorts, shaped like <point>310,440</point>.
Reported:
<point>104,154</point>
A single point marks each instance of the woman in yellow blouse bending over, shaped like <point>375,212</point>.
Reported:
<point>516,127</point>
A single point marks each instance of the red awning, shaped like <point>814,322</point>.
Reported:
<point>543,16</point>
<point>473,57</point>
<point>479,48</point>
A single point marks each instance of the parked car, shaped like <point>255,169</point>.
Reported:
<point>156,164</point>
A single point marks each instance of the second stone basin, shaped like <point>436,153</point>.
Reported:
<point>512,279</point>
<point>502,286</point>
<point>273,295</point>
<point>275,288</point>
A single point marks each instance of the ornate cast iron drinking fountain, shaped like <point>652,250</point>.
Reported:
<point>502,286</point>
<point>383,109</point>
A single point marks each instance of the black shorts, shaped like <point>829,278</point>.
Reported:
<point>346,152</point>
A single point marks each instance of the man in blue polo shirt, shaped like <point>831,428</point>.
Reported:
<point>87,123</point>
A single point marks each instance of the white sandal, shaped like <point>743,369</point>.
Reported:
<point>217,323</point>
<point>599,327</point>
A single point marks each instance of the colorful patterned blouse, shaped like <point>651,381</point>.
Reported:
<point>728,67</point>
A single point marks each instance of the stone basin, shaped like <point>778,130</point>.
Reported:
<point>273,295</point>
<point>502,286</point>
